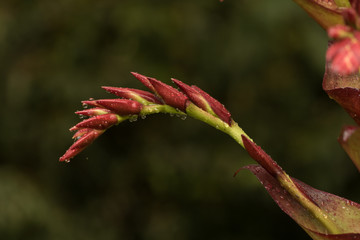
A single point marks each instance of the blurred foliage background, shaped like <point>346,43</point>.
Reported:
<point>161,178</point>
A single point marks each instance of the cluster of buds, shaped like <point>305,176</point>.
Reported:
<point>344,54</point>
<point>132,103</point>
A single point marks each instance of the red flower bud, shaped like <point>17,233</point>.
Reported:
<point>169,95</point>
<point>339,31</point>
<point>193,95</point>
<point>144,80</point>
<point>119,106</point>
<point>135,94</point>
<point>81,132</point>
<point>93,112</point>
<point>85,140</point>
<point>261,157</point>
<point>344,56</point>
<point>100,122</point>
<point>216,106</point>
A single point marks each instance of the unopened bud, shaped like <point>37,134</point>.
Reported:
<point>340,31</point>
<point>194,96</point>
<point>144,80</point>
<point>119,106</point>
<point>93,112</point>
<point>134,94</point>
<point>100,122</point>
<point>169,95</point>
<point>84,141</point>
<point>216,106</point>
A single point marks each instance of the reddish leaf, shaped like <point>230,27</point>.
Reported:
<point>317,212</point>
<point>349,99</point>
<point>344,89</point>
<point>344,213</point>
<point>350,141</point>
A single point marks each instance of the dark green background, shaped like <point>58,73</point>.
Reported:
<point>161,178</point>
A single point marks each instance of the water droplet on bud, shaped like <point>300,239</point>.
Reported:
<point>133,118</point>
<point>67,160</point>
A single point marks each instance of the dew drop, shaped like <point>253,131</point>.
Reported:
<point>183,117</point>
<point>85,106</point>
<point>91,99</point>
<point>143,116</point>
<point>133,118</point>
<point>67,160</point>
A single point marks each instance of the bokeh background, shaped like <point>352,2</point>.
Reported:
<point>161,178</point>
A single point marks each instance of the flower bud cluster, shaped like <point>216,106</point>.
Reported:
<point>344,53</point>
<point>132,102</point>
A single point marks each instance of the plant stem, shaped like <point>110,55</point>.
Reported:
<point>316,211</point>
<point>234,130</point>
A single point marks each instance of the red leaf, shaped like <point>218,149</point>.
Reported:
<point>350,141</point>
<point>344,213</point>
<point>344,89</point>
<point>349,99</point>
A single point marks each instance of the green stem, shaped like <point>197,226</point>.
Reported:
<point>318,213</point>
<point>234,130</point>
<point>236,133</point>
<point>342,3</point>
